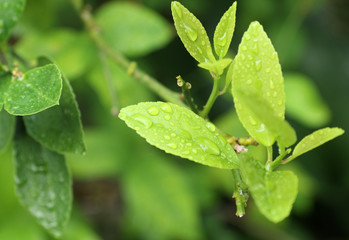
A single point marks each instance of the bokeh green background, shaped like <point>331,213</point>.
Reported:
<point>126,189</point>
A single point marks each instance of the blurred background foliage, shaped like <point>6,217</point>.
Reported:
<point>124,188</point>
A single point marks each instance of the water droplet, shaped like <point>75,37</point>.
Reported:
<point>258,65</point>
<point>143,120</point>
<point>222,41</point>
<point>268,70</point>
<point>167,117</point>
<point>268,94</point>
<point>210,126</point>
<point>248,36</point>
<point>177,9</point>
<point>252,121</point>
<point>275,94</point>
<point>244,48</point>
<point>166,107</point>
<point>280,102</point>
<point>167,137</point>
<point>172,124</point>
<point>254,48</point>
<point>184,134</point>
<point>208,146</point>
<point>153,110</point>
<point>194,151</point>
<point>172,145</point>
<point>173,135</point>
<point>249,58</point>
<point>186,152</point>
<point>203,43</point>
<point>249,81</point>
<point>243,57</point>
<point>192,34</point>
<point>272,85</point>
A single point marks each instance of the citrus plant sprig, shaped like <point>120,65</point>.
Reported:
<point>257,85</point>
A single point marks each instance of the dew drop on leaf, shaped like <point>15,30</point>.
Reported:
<point>143,120</point>
<point>192,34</point>
<point>178,10</point>
<point>166,107</point>
<point>153,110</point>
<point>208,146</point>
<point>167,117</point>
<point>172,145</point>
<point>210,127</point>
<point>258,65</point>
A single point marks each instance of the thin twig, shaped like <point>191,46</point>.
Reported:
<point>186,86</point>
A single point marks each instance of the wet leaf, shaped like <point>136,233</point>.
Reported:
<point>34,91</point>
<point>132,28</point>
<point>316,139</point>
<point>217,67</point>
<point>304,102</point>
<point>43,183</point>
<point>7,126</point>
<point>224,32</point>
<point>258,72</point>
<point>192,33</point>
<point>59,128</point>
<point>179,131</point>
<point>273,192</point>
<point>10,11</point>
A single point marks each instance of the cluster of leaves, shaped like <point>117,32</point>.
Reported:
<point>39,112</point>
<point>258,89</point>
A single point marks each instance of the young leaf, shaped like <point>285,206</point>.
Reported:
<point>316,139</point>
<point>34,91</point>
<point>257,71</point>
<point>132,28</point>
<point>58,128</point>
<point>224,32</point>
<point>217,67</point>
<point>179,131</point>
<point>7,125</point>
<point>43,183</point>
<point>304,102</point>
<point>10,11</point>
<point>273,192</point>
<point>192,33</point>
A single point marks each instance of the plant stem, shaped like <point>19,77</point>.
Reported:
<point>186,86</point>
<point>270,154</point>
<point>109,80</point>
<point>212,98</point>
<point>118,58</point>
<point>270,166</point>
<point>240,193</point>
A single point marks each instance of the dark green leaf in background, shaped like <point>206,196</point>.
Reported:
<point>58,128</point>
<point>224,32</point>
<point>5,81</point>
<point>43,183</point>
<point>34,91</point>
<point>273,192</point>
<point>10,12</point>
<point>132,29</point>
<point>179,131</point>
<point>304,102</point>
<point>192,33</point>
<point>7,125</point>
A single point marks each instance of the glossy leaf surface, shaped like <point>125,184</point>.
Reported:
<point>304,102</point>
<point>217,67</point>
<point>133,29</point>
<point>258,72</point>
<point>43,184</point>
<point>273,192</point>
<point>192,33</point>
<point>224,32</point>
<point>10,11</point>
<point>58,128</point>
<point>7,126</point>
<point>179,131</point>
<point>34,91</point>
<point>316,139</point>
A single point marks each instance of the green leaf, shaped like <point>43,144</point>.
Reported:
<point>10,11</point>
<point>258,72</point>
<point>217,66</point>
<point>273,192</point>
<point>224,32</point>
<point>71,50</point>
<point>304,102</point>
<point>192,33</point>
<point>43,184</point>
<point>179,131</point>
<point>59,128</point>
<point>164,191</point>
<point>133,29</point>
<point>7,126</point>
<point>34,91</point>
<point>316,139</point>
<point>263,115</point>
